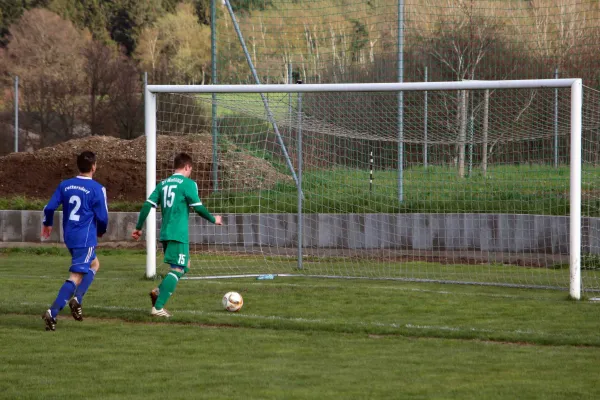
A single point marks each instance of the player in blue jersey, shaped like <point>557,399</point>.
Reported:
<point>85,217</point>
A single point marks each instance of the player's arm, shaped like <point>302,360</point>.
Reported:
<point>193,200</point>
<point>53,204</point>
<point>101,212</point>
<point>152,202</point>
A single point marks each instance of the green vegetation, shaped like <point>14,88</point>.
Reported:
<point>508,189</point>
<point>294,338</point>
<point>324,41</point>
<point>534,189</point>
<point>26,203</point>
<point>249,105</point>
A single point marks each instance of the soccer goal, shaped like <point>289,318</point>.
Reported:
<point>465,182</point>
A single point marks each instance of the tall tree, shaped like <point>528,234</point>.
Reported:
<point>101,65</point>
<point>127,18</point>
<point>11,11</point>
<point>85,14</point>
<point>178,40</point>
<point>45,51</point>
<point>124,106</point>
<point>459,45</point>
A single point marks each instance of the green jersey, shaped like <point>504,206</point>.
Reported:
<point>175,195</point>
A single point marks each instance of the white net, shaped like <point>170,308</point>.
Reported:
<point>590,190</point>
<point>481,195</point>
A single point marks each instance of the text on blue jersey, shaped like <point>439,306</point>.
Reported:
<point>85,211</point>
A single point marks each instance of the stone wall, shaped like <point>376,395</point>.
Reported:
<point>436,232</point>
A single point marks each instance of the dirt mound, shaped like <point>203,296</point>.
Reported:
<point>122,166</point>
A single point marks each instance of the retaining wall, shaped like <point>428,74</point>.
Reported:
<point>436,232</point>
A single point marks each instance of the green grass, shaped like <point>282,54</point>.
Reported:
<point>229,104</point>
<point>136,361</point>
<point>294,338</point>
<point>28,203</point>
<point>507,189</point>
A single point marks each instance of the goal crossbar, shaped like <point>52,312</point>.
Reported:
<point>575,84</point>
<point>367,87</point>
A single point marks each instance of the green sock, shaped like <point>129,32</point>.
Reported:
<point>167,287</point>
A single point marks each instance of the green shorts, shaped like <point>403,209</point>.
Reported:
<point>177,254</point>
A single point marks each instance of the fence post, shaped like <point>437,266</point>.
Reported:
<point>400,117</point>
<point>371,171</point>
<point>16,114</point>
<point>300,194</point>
<point>425,145</point>
<point>214,128</point>
<point>471,134</point>
<point>484,150</point>
<point>556,121</point>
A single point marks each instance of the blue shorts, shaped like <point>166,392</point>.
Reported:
<point>81,258</point>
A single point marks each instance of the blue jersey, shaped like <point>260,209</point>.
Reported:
<point>85,211</point>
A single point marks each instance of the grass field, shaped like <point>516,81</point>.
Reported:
<point>533,189</point>
<point>507,189</point>
<point>250,104</point>
<point>294,338</point>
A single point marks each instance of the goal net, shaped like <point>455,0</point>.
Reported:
<point>470,182</point>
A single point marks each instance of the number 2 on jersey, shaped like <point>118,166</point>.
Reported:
<point>73,216</point>
<point>169,195</point>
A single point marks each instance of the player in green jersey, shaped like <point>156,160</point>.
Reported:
<point>175,195</point>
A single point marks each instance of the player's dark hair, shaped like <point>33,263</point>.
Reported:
<point>181,160</point>
<point>85,161</point>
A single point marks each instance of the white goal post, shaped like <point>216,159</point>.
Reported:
<point>575,145</point>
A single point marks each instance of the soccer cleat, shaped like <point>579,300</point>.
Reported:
<point>50,322</point>
<point>76,310</point>
<point>154,295</point>
<point>160,313</point>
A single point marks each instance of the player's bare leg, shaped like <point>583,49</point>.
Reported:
<point>154,295</point>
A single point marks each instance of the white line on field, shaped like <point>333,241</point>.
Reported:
<point>308,285</point>
<point>315,320</point>
<point>399,288</point>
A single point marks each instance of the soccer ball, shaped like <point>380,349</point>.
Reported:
<point>232,301</point>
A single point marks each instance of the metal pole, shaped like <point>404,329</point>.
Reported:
<point>262,94</point>
<point>484,150</point>
<point>575,192</point>
<point>300,194</point>
<point>213,58</point>
<point>400,100</point>
<point>16,114</point>
<point>425,145</point>
<point>290,108</point>
<point>462,133</point>
<point>471,129</point>
<point>367,87</point>
<point>290,81</point>
<point>556,121</point>
<point>150,132</point>
<point>371,171</point>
